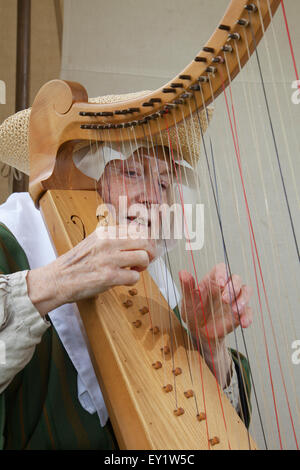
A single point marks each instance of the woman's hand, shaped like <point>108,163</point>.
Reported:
<point>214,310</point>
<point>96,264</point>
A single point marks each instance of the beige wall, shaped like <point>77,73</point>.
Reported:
<point>120,46</point>
<point>45,56</point>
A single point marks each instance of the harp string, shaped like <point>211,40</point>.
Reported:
<point>186,341</point>
<point>222,372</point>
<point>125,182</point>
<point>189,341</point>
<point>217,204</point>
<point>253,248</point>
<point>214,188</point>
<point>160,313</point>
<point>215,180</point>
<point>252,244</point>
<point>247,270</point>
<point>156,198</point>
<point>266,203</point>
<point>144,285</point>
<point>161,323</point>
<point>288,206</point>
<point>273,133</point>
<point>197,345</point>
<point>230,172</point>
<point>183,333</point>
<point>181,170</point>
<point>210,297</point>
<point>277,349</point>
<point>228,269</point>
<point>125,163</point>
<point>252,377</point>
<point>270,225</point>
<point>290,40</point>
<point>268,214</point>
<point>179,151</point>
<point>172,338</point>
<point>279,110</point>
<point>246,266</point>
<point>198,288</point>
<point>173,284</point>
<point>142,275</point>
<point>198,337</point>
<point>208,267</point>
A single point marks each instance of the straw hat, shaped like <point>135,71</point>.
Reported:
<point>14,148</point>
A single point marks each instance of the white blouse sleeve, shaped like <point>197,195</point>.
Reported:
<point>21,326</point>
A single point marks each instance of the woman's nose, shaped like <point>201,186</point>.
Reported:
<point>151,193</point>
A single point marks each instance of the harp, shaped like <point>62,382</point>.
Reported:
<point>128,347</point>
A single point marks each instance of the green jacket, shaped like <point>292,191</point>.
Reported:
<point>40,408</point>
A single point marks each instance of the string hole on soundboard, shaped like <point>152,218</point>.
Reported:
<point>157,365</point>
<point>177,371</point>
<point>179,412</point>
<point>155,330</point>
<point>189,393</point>
<point>201,416</point>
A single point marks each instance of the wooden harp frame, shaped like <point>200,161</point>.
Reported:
<point>142,415</point>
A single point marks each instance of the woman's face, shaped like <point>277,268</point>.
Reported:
<point>142,179</point>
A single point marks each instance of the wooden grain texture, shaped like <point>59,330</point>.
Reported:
<point>142,414</point>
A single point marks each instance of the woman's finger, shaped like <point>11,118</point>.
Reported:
<point>130,259</point>
<point>221,327</point>
<point>247,317</point>
<point>119,238</point>
<point>243,299</point>
<point>187,283</point>
<point>232,289</point>
<point>126,277</point>
<point>218,275</point>
<point>213,283</point>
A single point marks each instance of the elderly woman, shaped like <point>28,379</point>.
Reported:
<point>49,395</point>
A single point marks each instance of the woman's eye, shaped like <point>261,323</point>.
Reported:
<point>131,173</point>
<point>164,186</point>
